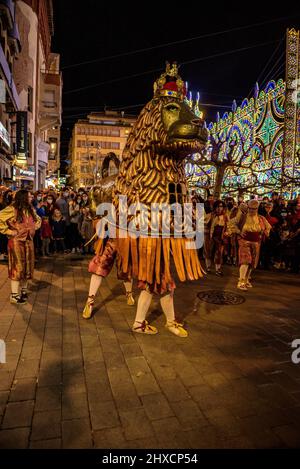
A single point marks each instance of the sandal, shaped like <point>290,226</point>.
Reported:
<point>88,309</point>
<point>144,328</point>
<point>242,285</point>
<point>176,328</point>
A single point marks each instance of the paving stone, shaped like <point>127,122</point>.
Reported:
<point>189,414</point>
<point>109,438</point>
<point>23,389</point>
<point>14,439</point>
<point>135,424</point>
<point>27,368</point>
<point>225,422</point>
<point>76,434</point>
<point>46,425</point>
<point>6,379</point>
<point>174,390</point>
<point>156,406</point>
<point>18,414</point>
<point>104,415</point>
<point>48,398</point>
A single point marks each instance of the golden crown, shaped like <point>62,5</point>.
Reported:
<point>170,83</point>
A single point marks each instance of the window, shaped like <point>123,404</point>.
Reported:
<point>115,133</point>
<point>49,99</point>
<point>115,145</point>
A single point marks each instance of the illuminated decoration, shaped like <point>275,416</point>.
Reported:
<point>292,104</point>
<point>264,136</point>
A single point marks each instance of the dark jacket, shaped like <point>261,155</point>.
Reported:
<point>58,228</point>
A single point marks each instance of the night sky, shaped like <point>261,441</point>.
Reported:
<point>94,30</point>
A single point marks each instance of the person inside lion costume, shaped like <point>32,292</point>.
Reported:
<point>152,172</point>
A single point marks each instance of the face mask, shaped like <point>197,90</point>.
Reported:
<point>49,201</point>
<point>78,201</point>
<point>85,199</point>
<point>66,194</point>
<point>230,205</point>
<point>39,198</point>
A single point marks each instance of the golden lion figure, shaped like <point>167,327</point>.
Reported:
<point>152,172</point>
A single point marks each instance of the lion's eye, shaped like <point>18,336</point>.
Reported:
<point>172,108</point>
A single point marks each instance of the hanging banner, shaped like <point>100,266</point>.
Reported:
<point>22,136</point>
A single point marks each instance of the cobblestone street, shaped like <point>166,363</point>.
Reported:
<point>71,383</point>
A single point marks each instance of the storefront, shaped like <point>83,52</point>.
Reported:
<point>24,178</point>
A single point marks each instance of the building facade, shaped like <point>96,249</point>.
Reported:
<point>32,76</point>
<point>39,83</point>
<point>96,146</point>
<point>9,99</point>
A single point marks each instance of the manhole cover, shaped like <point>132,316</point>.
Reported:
<point>221,297</point>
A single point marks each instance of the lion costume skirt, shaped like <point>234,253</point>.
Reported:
<point>148,260</point>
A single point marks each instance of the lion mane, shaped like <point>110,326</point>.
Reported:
<point>148,167</point>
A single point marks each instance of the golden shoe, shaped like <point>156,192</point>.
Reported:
<point>88,309</point>
<point>176,328</point>
<point>130,299</point>
<point>144,328</point>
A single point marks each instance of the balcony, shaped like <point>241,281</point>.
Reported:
<point>50,99</point>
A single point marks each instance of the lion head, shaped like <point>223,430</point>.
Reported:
<point>152,167</point>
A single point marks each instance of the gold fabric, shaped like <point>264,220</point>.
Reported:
<point>20,259</point>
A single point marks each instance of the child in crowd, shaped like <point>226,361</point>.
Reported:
<point>46,236</point>
<point>58,231</point>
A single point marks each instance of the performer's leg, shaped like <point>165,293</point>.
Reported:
<point>128,288</point>
<point>167,304</point>
<point>15,285</point>
<point>95,283</point>
<point>248,277</point>
<point>208,264</point>
<point>15,297</point>
<point>140,323</point>
<point>24,289</point>
<point>242,280</point>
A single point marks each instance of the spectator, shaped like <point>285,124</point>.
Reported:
<point>46,236</point>
<point>58,231</point>
<point>87,230</point>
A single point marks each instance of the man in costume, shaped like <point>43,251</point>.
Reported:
<point>152,172</point>
<point>250,228</point>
